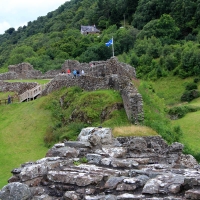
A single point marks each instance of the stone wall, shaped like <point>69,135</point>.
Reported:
<point>100,167</point>
<point>132,100</point>
<point>20,71</point>
<point>17,87</point>
<point>8,76</point>
<point>98,75</point>
<point>101,68</point>
<point>109,74</point>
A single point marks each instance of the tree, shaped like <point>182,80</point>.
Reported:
<point>10,31</point>
<point>163,28</point>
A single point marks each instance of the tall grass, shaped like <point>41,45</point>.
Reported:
<point>155,115</point>
<point>132,130</point>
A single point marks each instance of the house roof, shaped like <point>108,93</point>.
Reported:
<point>90,29</point>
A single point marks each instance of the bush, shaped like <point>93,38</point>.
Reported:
<point>180,111</point>
<point>196,80</point>
<point>178,133</point>
<point>189,95</point>
<point>191,86</point>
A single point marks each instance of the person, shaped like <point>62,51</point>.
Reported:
<point>68,72</point>
<point>74,73</point>
<point>78,73</point>
<point>9,99</point>
<point>82,72</point>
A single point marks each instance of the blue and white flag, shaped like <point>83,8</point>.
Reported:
<point>110,42</point>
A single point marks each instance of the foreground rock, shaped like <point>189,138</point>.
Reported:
<point>99,167</point>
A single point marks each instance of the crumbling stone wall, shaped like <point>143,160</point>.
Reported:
<point>20,71</point>
<point>110,74</point>
<point>100,167</point>
<point>98,75</point>
<point>17,87</point>
<point>101,68</point>
<point>132,100</point>
<point>8,76</point>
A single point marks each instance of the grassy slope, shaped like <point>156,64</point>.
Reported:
<point>190,124</point>
<point>171,89</point>
<point>22,130</point>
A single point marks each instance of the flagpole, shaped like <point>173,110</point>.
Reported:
<point>113,46</point>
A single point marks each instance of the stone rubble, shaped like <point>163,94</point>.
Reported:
<point>98,167</point>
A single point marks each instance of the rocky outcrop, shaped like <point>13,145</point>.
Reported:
<point>98,167</point>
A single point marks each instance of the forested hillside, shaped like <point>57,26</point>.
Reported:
<point>157,37</point>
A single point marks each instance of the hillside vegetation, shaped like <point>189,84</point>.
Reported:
<point>158,38</point>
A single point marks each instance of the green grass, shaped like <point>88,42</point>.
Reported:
<point>22,130</point>
<point>190,125</point>
<point>81,109</point>
<point>171,88</point>
<point>39,81</point>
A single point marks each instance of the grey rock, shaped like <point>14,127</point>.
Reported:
<point>116,152</point>
<point>93,158</point>
<point>67,152</point>
<point>96,136</point>
<point>71,195</point>
<point>192,194</point>
<point>112,182</point>
<point>15,191</point>
<point>77,144</point>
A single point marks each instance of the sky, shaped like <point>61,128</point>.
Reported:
<point>16,13</point>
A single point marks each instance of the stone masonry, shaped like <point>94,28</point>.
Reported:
<point>110,74</point>
<point>20,71</point>
<point>100,167</point>
<point>17,87</point>
<point>98,75</point>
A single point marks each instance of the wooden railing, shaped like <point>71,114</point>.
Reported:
<point>30,94</point>
<point>5,101</point>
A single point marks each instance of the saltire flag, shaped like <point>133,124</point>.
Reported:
<point>110,42</point>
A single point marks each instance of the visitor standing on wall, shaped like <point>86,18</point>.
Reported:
<point>78,73</point>
<point>68,72</point>
<point>74,73</point>
<point>82,72</point>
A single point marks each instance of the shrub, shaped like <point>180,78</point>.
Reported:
<point>178,133</point>
<point>180,111</point>
<point>196,80</point>
<point>191,86</point>
<point>189,95</point>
